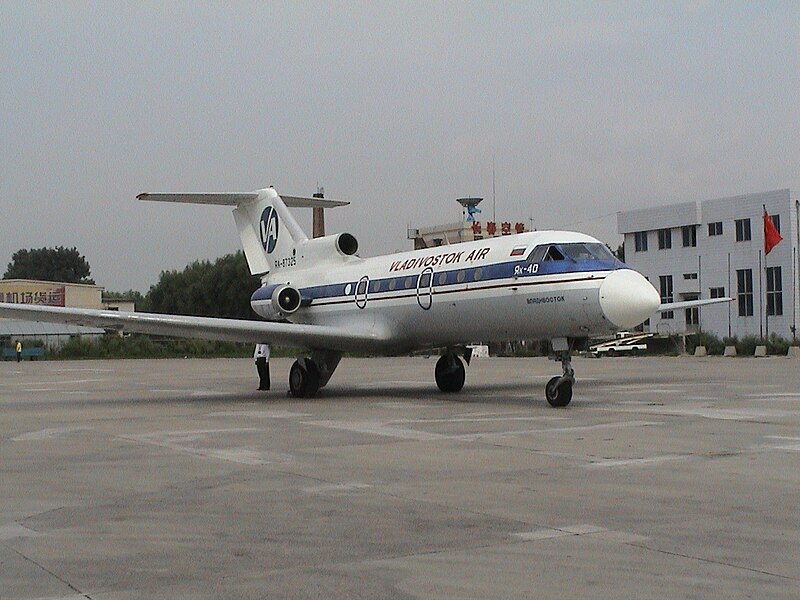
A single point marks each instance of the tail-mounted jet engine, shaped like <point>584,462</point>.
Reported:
<point>286,299</point>
<point>331,248</point>
<point>276,302</point>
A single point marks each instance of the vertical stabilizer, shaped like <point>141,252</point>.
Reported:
<point>268,232</point>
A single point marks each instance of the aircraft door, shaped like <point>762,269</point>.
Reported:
<point>425,288</point>
<point>361,292</point>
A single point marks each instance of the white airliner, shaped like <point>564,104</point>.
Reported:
<point>318,294</point>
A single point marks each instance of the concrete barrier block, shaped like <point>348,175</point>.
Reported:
<point>794,351</point>
<point>761,351</point>
<point>730,351</point>
<point>700,351</point>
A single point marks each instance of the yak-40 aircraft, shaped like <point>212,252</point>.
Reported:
<point>318,294</point>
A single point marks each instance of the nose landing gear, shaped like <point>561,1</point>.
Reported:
<point>558,390</point>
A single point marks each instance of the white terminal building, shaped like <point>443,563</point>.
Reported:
<point>715,248</point>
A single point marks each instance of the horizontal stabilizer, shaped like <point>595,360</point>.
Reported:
<point>235,199</point>
<point>219,199</point>
<point>691,303</point>
<point>305,202</point>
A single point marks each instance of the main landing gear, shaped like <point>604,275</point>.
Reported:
<point>450,373</point>
<point>309,374</point>
<point>558,390</point>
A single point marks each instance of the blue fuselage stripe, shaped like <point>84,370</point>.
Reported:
<point>521,269</point>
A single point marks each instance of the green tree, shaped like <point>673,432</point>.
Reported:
<point>49,264</point>
<point>219,289</point>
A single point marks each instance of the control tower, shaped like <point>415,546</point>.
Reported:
<point>466,230</point>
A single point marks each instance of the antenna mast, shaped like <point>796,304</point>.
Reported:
<point>494,200</point>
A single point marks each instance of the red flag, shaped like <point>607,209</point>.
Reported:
<point>771,235</point>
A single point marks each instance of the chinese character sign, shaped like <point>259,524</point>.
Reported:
<point>51,297</point>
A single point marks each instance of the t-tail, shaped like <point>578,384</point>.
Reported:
<point>270,235</point>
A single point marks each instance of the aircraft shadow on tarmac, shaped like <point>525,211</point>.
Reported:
<point>519,393</point>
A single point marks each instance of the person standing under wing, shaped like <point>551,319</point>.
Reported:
<point>261,356</point>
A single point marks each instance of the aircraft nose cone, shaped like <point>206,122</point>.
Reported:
<point>627,298</point>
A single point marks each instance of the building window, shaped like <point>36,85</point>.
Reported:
<point>776,220</point>
<point>664,239</point>
<point>744,282</point>
<point>717,292</point>
<point>640,241</point>
<point>665,283</point>
<point>689,276</point>
<point>689,236</point>
<point>693,316</point>
<point>774,291</point>
<point>715,228</point>
<point>742,230</point>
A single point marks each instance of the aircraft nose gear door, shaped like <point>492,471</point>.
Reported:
<point>361,292</point>
<point>425,288</point>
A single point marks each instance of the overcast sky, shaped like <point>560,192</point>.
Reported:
<point>587,109</point>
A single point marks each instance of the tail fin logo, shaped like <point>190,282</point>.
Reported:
<point>269,229</point>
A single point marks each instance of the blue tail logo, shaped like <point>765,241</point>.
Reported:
<point>269,229</point>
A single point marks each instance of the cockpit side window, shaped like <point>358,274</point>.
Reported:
<point>545,253</point>
<point>537,254</point>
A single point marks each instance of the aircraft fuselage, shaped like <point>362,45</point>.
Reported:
<point>486,290</point>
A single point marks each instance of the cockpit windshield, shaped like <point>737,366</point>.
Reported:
<point>575,251</point>
<point>587,251</point>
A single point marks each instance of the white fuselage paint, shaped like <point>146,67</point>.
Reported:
<point>488,294</point>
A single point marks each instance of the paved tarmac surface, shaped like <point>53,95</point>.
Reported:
<point>665,478</point>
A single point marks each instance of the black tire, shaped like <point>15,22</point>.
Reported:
<point>450,374</point>
<point>560,397</point>
<point>303,379</point>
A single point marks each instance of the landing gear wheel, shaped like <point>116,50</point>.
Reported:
<point>303,379</point>
<point>558,396</point>
<point>450,373</point>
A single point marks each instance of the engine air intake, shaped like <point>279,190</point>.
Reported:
<point>347,244</point>
<point>286,299</point>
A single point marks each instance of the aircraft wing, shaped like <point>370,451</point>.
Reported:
<point>691,303</point>
<point>207,328</point>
